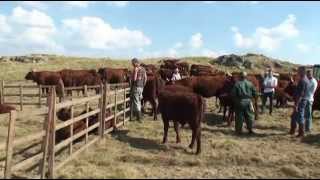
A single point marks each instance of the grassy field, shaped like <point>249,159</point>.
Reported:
<point>135,151</point>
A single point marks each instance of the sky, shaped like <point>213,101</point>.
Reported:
<point>126,29</point>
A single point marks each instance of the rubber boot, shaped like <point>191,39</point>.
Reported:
<point>139,116</point>
<point>293,128</point>
<point>301,130</point>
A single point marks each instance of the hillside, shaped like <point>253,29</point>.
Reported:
<point>14,68</point>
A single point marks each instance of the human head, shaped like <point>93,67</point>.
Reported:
<point>309,74</point>
<point>243,75</point>
<point>135,62</point>
<point>269,71</point>
<point>302,71</point>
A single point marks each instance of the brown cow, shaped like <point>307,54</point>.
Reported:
<point>201,70</point>
<point>150,68</point>
<point>48,78</point>
<point>182,107</point>
<point>75,78</point>
<point>65,115</point>
<point>316,103</point>
<point>151,91</point>
<point>4,108</point>
<point>165,74</point>
<point>114,76</point>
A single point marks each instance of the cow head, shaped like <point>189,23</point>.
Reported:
<point>30,75</point>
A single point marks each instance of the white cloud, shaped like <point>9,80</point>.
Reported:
<point>80,4</point>
<point>178,45</point>
<point>268,39</point>
<point>209,2</point>
<point>103,35</point>
<point>210,53</point>
<point>31,18</point>
<point>35,4</point>
<point>30,31</point>
<point>303,47</point>
<point>118,3</point>
<point>196,40</point>
<point>4,26</point>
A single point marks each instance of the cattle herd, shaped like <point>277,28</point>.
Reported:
<point>181,101</point>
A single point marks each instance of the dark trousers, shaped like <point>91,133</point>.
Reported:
<point>264,101</point>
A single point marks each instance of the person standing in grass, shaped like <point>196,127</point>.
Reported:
<point>300,99</point>
<point>311,89</point>
<point>243,92</point>
<point>138,82</point>
<point>269,84</point>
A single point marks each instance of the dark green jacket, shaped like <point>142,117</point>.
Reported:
<point>243,91</point>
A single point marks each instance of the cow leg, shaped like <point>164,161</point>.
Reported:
<point>224,112</point>
<point>176,128</point>
<point>154,109</point>
<point>198,140</point>
<point>165,128</point>
<point>194,132</point>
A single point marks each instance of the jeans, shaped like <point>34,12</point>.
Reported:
<point>136,97</point>
<point>299,116</point>
<point>264,101</point>
<point>308,116</point>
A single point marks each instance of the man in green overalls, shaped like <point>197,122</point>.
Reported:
<point>242,93</point>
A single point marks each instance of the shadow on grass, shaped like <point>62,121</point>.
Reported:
<point>276,128</point>
<point>139,143</point>
<point>213,119</point>
<point>312,140</point>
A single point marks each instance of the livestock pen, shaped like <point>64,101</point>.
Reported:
<point>37,154</point>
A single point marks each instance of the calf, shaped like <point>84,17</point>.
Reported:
<point>6,108</point>
<point>182,107</point>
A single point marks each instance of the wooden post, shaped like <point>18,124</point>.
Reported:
<point>130,103</point>
<point>124,105</point>
<point>85,90</point>
<point>114,121</point>
<point>87,123</point>
<point>52,136</point>
<point>71,130</point>
<point>40,95</point>
<point>21,98</point>
<point>9,147</point>
<point>1,92</point>
<point>45,142</point>
<point>102,107</point>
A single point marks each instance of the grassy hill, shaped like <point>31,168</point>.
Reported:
<point>16,70</point>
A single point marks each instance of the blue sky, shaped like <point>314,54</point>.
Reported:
<point>286,30</point>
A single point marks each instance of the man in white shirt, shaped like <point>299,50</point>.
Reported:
<point>269,84</point>
<point>176,75</point>
<point>309,97</point>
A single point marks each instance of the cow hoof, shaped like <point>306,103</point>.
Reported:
<point>191,146</point>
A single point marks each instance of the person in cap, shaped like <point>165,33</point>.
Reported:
<point>300,104</point>
<point>176,75</point>
<point>269,84</point>
<point>138,81</point>
<point>242,93</point>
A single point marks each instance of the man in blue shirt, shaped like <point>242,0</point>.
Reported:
<point>298,115</point>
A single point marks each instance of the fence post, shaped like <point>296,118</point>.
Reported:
<point>87,123</point>
<point>52,136</point>
<point>45,142</point>
<point>102,106</point>
<point>124,105</point>
<point>9,147</point>
<point>130,104</point>
<point>1,92</point>
<point>114,121</point>
<point>85,90</point>
<point>40,95</point>
<point>21,98</point>
<point>71,130</point>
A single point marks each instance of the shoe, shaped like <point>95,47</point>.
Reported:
<point>301,131</point>
<point>293,129</point>
<point>251,132</point>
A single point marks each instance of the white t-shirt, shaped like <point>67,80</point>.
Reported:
<point>311,89</point>
<point>175,77</point>
<point>268,83</point>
